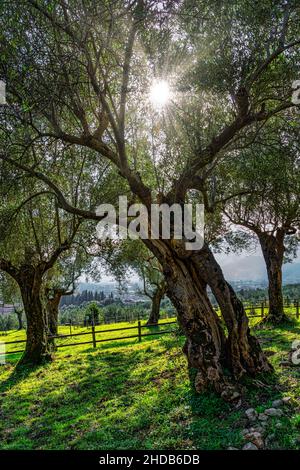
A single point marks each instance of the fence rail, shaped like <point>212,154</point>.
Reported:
<point>94,332</point>
<point>262,307</point>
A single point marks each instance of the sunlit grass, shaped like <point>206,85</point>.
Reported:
<point>13,335</point>
<point>76,338</point>
<point>130,395</point>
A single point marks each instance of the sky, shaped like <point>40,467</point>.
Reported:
<point>244,266</point>
<point>251,266</point>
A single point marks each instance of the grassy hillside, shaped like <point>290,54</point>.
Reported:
<point>130,395</point>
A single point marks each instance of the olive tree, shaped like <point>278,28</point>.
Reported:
<point>80,74</point>
<point>266,181</point>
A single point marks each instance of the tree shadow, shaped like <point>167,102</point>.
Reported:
<point>119,390</point>
<point>121,398</point>
<point>59,406</point>
<point>19,373</point>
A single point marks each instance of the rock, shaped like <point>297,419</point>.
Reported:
<point>255,438</point>
<point>250,446</point>
<point>245,431</point>
<point>238,404</point>
<point>273,412</point>
<point>277,403</point>
<point>251,414</point>
<point>232,448</point>
<point>259,429</point>
<point>262,417</point>
<point>286,400</point>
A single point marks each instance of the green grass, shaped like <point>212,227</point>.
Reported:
<point>76,338</point>
<point>14,335</point>
<point>130,395</point>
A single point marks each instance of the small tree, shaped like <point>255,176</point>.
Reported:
<point>10,293</point>
<point>132,256</point>
<point>30,245</point>
<point>93,315</point>
<point>19,312</point>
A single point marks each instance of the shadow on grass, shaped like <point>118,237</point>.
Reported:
<point>280,336</point>
<point>115,397</point>
<point>99,401</point>
<point>19,374</point>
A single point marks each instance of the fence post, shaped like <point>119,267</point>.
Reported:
<point>94,335</point>
<point>297,309</point>
<point>139,331</point>
<point>70,326</point>
<point>262,309</point>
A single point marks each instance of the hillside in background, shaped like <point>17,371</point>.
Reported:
<point>252,268</point>
<point>241,271</point>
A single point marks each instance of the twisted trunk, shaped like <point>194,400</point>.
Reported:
<point>244,354</point>
<point>207,348</point>
<point>38,349</point>
<point>155,303</point>
<point>273,251</point>
<point>205,339</point>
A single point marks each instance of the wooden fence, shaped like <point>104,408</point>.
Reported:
<point>254,311</point>
<point>92,334</point>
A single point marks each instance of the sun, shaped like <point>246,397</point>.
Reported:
<point>160,93</point>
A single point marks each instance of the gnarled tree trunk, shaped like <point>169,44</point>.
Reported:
<point>273,250</point>
<point>155,303</point>
<point>244,354</point>
<point>205,339</point>
<point>208,349</point>
<point>38,349</point>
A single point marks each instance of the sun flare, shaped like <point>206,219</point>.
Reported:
<point>160,93</point>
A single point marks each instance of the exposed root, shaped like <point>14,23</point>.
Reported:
<point>273,319</point>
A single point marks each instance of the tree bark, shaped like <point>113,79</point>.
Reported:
<point>243,351</point>
<point>155,304</point>
<point>52,305</point>
<point>207,348</point>
<point>38,349</point>
<point>273,251</point>
<point>205,339</point>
